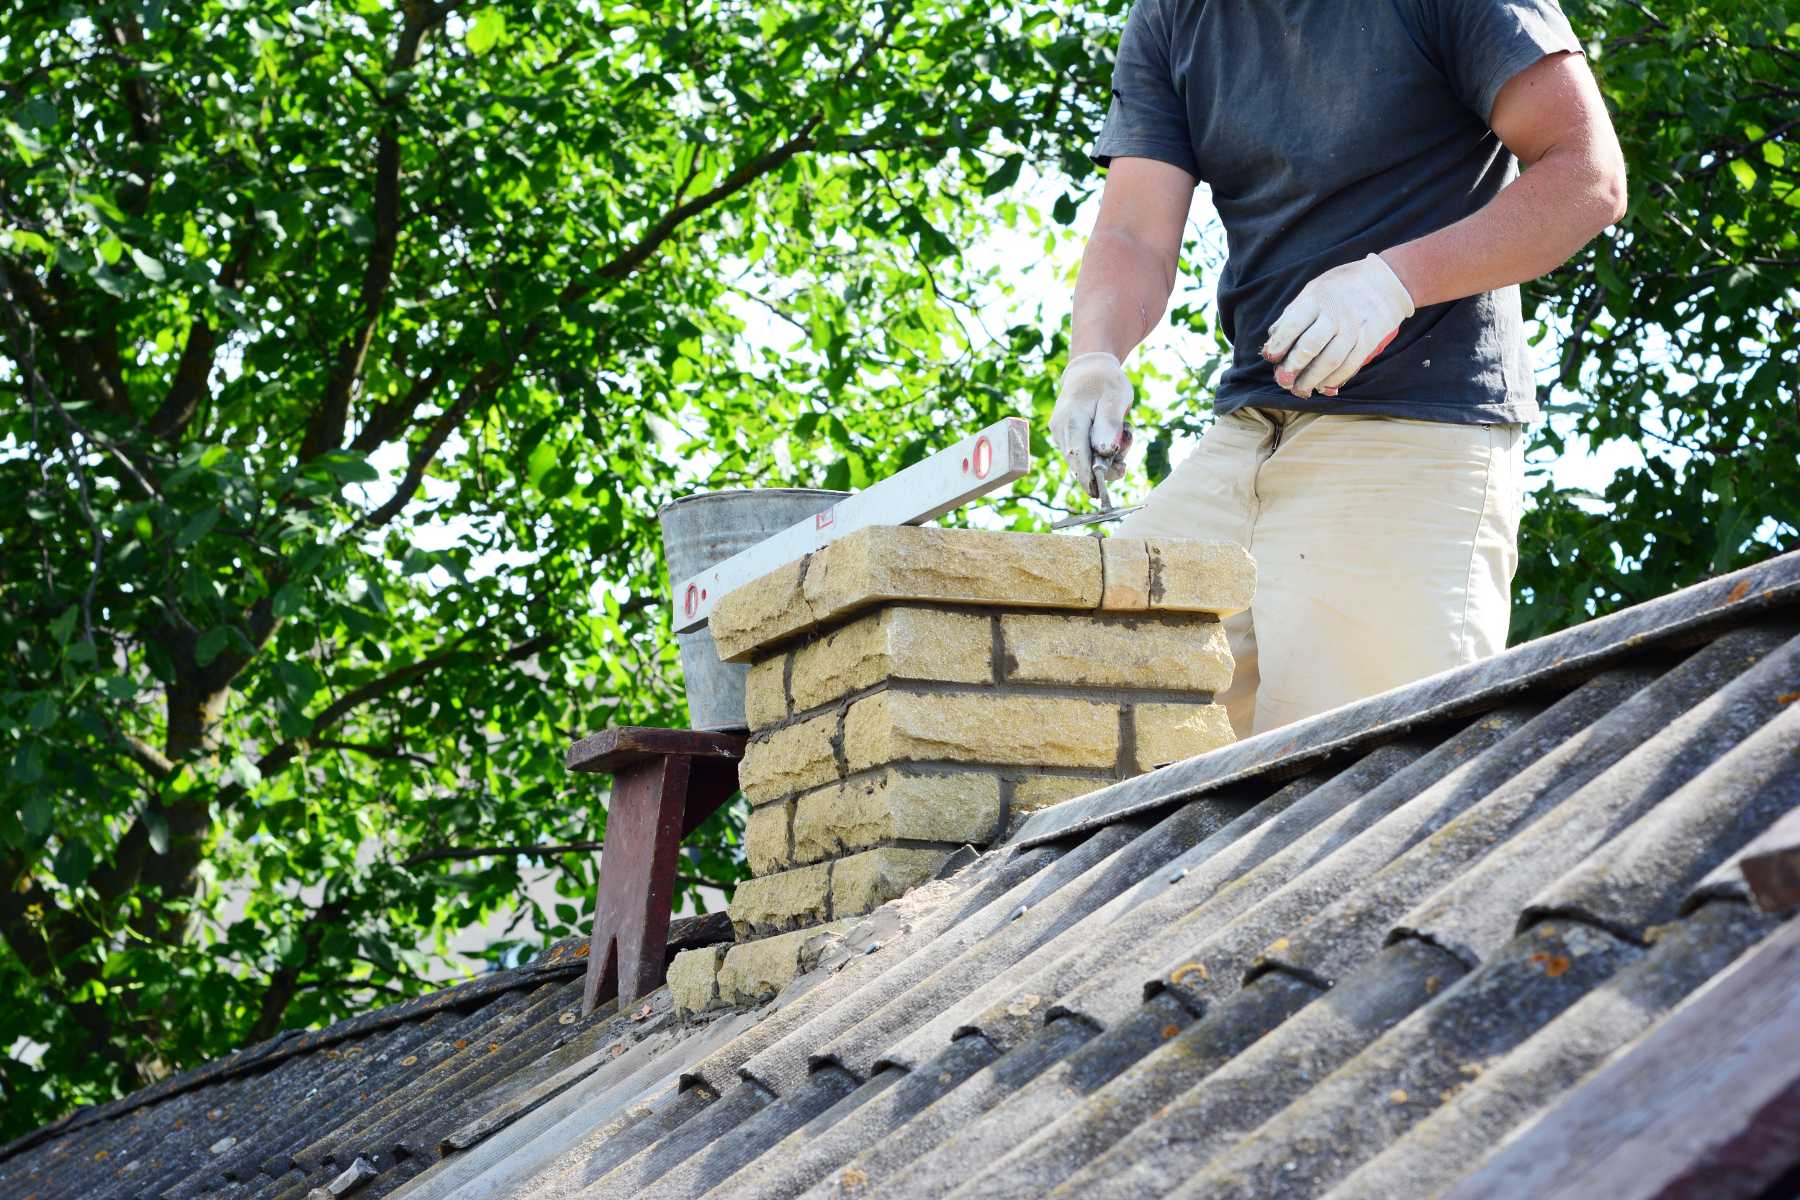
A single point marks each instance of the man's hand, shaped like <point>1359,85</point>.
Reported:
<point>1335,325</point>
<point>1089,419</point>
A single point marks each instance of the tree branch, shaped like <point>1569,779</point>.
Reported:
<point>639,252</point>
<point>325,427</point>
<point>21,331</point>
<point>374,751</point>
<point>387,684</point>
<point>454,854</point>
<point>286,979</point>
<point>140,102</point>
<point>146,755</point>
<point>392,417</point>
<point>620,266</point>
<point>188,385</point>
<point>439,433</point>
<point>80,357</point>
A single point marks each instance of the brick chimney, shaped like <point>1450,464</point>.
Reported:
<point>915,689</point>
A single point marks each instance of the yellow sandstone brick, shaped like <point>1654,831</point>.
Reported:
<point>766,837</point>
<point>864,882</point>
<point>1177,651</point>
<point>1195,576</point>
<point>789,760</point>
<point>775,903</point>
<point>754,972</point>
<point>953,566</point>
<point>898,642</point>
<point>693,979</point>
<point>1047,731</point>
<point>765,698</point>
<point>763,611</point>
<point>1178,575</point>
<point>1126,563</point>
<point>1041,791</point>
<point>1168,733</point>
<point>892,805</point>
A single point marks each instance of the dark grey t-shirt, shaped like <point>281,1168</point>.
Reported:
<point>1330,129</point>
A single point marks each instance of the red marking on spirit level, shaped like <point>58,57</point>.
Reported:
<point>691,600</point>
<point>984,457</point>
<point>823,520</point>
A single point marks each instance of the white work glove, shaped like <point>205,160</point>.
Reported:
<point>1089,419</point>
<point>1335,325</point>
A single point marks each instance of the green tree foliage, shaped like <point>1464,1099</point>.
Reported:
<point>348,349</point>
<point>351,349</point>
<point>1681,335</point>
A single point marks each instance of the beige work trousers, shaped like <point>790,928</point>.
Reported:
<point>1385,550</point>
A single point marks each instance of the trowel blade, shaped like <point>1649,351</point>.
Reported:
<point>1095,518</point>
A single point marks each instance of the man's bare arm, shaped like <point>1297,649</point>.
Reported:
<point>1127,273</point>
<point>1551,116</point>
<point>1128,269</point>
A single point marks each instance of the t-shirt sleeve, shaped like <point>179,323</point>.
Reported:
<point>1148,118</point>
<point>1484,43</point>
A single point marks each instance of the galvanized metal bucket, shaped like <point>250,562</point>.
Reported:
<point>707,528</point>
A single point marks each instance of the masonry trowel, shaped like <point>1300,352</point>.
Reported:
<point>1103,463</point>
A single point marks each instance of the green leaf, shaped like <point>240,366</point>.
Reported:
<point>30,149</point>
<point>35,815</point>
<point>381,954</point>
<point>485,30</point>
<point>25,239</point>
<point>559,482</point>
<point>543,457</point>
<point>28,762</point>
<point>356,223</point>
<point>1003,176</point>
<point>156,829</point>
<point>210,644</point>
<point>349,468</point>
<point>152,270</point>
<point>300,679</point>
<point>288,599</point>
<point>197,527</point>
<point>74,860</point>
<point>62,628</point>
<point>243,772</point>
<point>42,714</point>
<point>1744,173</point>
<point>38,113</point>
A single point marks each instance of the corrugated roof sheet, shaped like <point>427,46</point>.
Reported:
<point>1349,958</point>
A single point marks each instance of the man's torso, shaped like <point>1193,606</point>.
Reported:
<point>1329,130</point>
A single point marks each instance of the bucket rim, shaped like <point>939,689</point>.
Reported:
<point>731,493</point>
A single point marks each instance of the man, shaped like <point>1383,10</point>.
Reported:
<point>1364,159</point>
